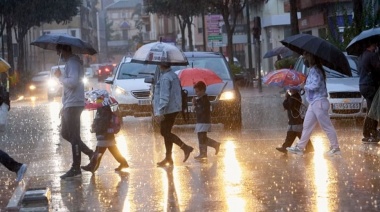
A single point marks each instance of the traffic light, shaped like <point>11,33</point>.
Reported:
<point>256,27</point>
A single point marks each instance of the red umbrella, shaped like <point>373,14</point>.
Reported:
<point>190,76</point>
<point>284,78</point>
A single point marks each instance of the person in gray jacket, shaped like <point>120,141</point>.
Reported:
<point>73,105</point>
<point>167,103</point>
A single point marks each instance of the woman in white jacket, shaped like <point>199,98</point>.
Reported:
<point>317,112</point>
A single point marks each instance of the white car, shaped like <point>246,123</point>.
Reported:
<point>343,91</point>
<point>130,90</point>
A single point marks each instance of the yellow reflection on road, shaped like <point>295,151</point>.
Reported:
<point>320,175</point>
<point>232,178</point>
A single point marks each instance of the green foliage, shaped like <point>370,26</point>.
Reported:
<point>285,63</point>
<point>369,20</point>
<point>235,69</point>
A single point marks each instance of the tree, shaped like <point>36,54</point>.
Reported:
<point>358,15</point>
<point>183,10</point>
<point>293,17</point>
<point>230,11</point>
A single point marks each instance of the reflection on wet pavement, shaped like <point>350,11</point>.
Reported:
<point>248,174</point>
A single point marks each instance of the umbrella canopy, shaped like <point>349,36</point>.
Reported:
<point>50,41</point>
<point>281,50</point>
<point>284,78</point>
<point>190,76</point>
<point>329,54</point>
<point>4,65</point>
<point>98,98</point>
<point>159,53</point>
<point>357,44</point>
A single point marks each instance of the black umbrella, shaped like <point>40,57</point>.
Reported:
<point>282,50</point>
<point>50,41</point>
<point>329,54</point>
<point>357,44</point>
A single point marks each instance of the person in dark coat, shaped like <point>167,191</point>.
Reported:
<point>106,140</point>
<point>201,106</point>
<point>292,105</point>
<point>369,81</point>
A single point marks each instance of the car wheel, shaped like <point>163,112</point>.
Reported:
<point>234,123</point>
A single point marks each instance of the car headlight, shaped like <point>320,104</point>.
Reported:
<point>227,95</point>
<point>52,83</point>
<point>85,80</point>
<point>120,90</point>
<point>32,87</point>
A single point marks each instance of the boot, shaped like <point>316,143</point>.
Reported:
<point>217,147</point>
<point>202,152</point>
<point>186,150</point>
<point>168,161</point>
<point>94,163</point>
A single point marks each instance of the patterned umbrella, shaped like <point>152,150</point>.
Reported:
<point>284,78</point>
<point>98,98</point>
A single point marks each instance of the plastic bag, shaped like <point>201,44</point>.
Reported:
<point>3,116</point>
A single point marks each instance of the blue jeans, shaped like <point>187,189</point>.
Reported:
<point>9,162</point>
<point>71,132</point>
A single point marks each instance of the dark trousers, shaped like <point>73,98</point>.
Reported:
<point>70,131</point>
<point>114,151</point>
<point>166,126</point>
<point>370,125</point>
<point>291,136</point>
<point>9,162</point>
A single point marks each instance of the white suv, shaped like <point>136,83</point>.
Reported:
<point>343,91</point>
<point>130,90</point>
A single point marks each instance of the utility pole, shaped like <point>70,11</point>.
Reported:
<point>256,35</point>
<point>250,71</point>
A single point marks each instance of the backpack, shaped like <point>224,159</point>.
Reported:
<point>115,124</point>
<point>185,109</point>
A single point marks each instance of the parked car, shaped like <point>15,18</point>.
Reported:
<point>343,91</point>
<point>130,90</point>
<point>225,98</point>
<point>105,71</point>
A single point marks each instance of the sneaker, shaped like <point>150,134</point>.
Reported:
<point>282,149</point>
<point>21,172</point>
<point>295,150</point>
<point>122,166</point>
<point>334,151</point>
<point>72,173</point>
<point>370,140</point>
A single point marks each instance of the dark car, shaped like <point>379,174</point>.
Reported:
<point>105,71</point>
<point>225,97</point>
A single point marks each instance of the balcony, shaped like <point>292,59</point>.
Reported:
<point>304,4</point>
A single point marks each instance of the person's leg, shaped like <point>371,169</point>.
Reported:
<point>309,146</point>
<point>95,160</point>
<point>170,138</point>
<point>119,158</point>
<point>321,111</point>
<point>308,126</point>
<point>202,139</point>
<point>290,137</point>
<point>11,164</point>
<point>72,115</point>
<point>212,143</point>
<point>368,124</point>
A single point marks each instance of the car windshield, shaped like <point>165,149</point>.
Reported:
<point>135,70</point>
<point>353,61</point>
<point>43,73</point>
<point>218,65</point>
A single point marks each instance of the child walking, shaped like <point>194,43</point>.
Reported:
<point>292,105</point>
<point>201,105</point>
<point>101,126</point>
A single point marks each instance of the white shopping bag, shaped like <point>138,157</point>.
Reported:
<point>3,116</point>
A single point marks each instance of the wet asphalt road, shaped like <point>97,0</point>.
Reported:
<point>247,175</point>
